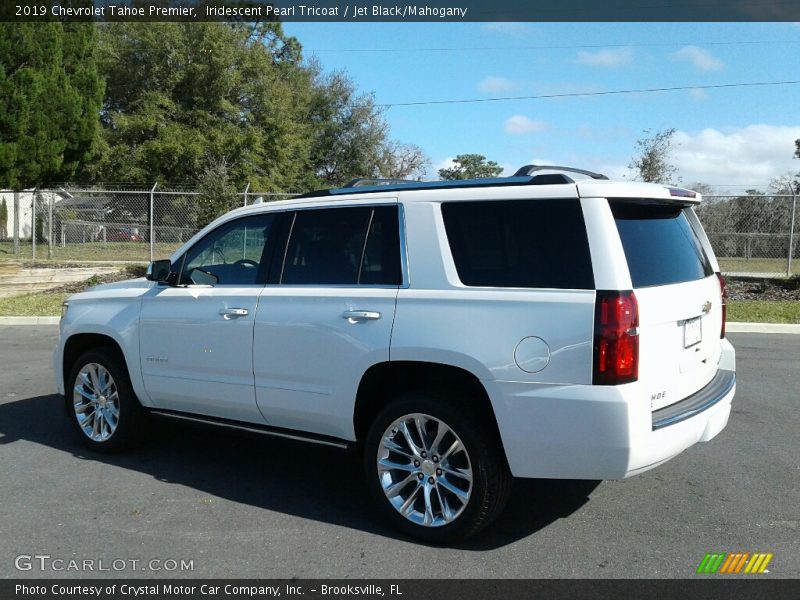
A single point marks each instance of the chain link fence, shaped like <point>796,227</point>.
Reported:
<point>108,225</point>
<point>751,235</point>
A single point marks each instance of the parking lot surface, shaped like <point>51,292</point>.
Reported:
<point>252,507</point>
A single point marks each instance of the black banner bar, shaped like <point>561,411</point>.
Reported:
<point>712,587</point>
<point>402,10</point>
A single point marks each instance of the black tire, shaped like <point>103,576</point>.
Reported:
<point>132,420</point>
<point>491,477</point>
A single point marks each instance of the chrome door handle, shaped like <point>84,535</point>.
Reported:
<point>361,315</point>
<point>232,313</point>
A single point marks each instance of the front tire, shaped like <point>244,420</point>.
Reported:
<point>101,403</point>
<point>434,468</point>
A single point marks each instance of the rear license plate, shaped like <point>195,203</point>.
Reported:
<point>692,332</point>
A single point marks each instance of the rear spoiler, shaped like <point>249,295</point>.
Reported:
<point>639,191</point>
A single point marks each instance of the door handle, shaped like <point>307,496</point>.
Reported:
<point>361,315</point>
<point>232,313</point>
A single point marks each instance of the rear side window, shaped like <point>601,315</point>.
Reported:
<point>660,245</point>
<point>519,243</point>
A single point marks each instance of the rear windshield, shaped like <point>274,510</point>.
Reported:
<point>660,244</point>
<point>519,243</point>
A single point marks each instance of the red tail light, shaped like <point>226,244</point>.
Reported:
<point>723,290</point>
<point>616,338</point>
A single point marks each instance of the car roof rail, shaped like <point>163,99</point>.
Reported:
<point>375,181</point>
<point>529,170</point>
<point>370,185</point>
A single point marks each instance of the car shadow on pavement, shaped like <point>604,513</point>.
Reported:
<point>299,479</point>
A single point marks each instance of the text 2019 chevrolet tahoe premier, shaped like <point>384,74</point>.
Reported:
<point>552,324</point>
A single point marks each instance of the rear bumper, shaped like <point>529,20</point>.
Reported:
<point>598,432</point>
<point>716,391</point>
<point>669,438</point>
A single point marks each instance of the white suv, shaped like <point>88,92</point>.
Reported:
<point>552,324</point>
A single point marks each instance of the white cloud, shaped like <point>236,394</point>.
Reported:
<point>606,57</point>
<point>521,125</point>
<point>494,85</point>
<point>446,163</point>
<point>747,156</point>
<point>698,94</point>
<point>700,58</point>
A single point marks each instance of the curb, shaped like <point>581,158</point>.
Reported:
<point>29,320</point>
<point>762,328</point>
<point>733,327</point>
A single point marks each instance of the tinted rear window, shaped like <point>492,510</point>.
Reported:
<point>659,243</point>
<point>519,243</point>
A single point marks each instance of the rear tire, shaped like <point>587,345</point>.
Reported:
<point>435,467</point>
<point>101,403</point>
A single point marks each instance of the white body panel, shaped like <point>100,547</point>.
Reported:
<point>595,432</point>
<point>195,359</point>
<point>110,310</point>
<point>671,370</point>
<point>309,356</point>
<point>294,362</point>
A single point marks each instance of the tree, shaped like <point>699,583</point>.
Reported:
<point>797,153</point>
<point>349,133</point>
<point>50,99</point>
<point>652,162</point>
<point>182,96</point>
<point>784,184</point>
<point>217,192</point>
<point>471,166</point>
<point>703,188</point>
<point>403,161</point>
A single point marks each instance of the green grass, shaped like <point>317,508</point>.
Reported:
<point>764,311</point>
<point>95,251</point>
<point>44,304</point>
<point>757,265</point>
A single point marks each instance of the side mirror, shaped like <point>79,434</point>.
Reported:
<point>158,270</point>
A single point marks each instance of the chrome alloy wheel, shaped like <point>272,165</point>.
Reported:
<point>424,470</point>
<point>96,402</point>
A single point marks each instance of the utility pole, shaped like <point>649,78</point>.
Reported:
<point>16,223</point>
<point>795,187</point>
<point>152,223</point>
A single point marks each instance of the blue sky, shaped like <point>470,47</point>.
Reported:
<point>738,137</point>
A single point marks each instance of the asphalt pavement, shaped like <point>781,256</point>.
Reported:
<point>251,507</point>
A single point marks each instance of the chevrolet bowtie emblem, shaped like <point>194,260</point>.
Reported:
<point>706,307</point>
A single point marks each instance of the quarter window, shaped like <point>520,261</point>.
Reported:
<point>519,243</point>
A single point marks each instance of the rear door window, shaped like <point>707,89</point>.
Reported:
<point>519,243</point>
<point>660,245</point>
<point>344,246</point>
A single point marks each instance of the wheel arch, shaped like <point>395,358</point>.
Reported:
<point>384,381</point>
<point>79,343</point>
